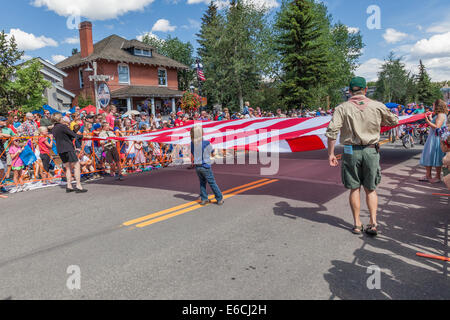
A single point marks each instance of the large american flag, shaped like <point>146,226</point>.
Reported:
<point>200,73</point>
<point>262,134</point>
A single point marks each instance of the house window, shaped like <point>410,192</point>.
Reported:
<point>162,77</point>
<point>80,76</point>
<point>124,74</point>
<point>142,52</point>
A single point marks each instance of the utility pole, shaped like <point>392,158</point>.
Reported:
<point>97,78</point>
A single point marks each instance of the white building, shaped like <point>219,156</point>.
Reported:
<point>58,98</point>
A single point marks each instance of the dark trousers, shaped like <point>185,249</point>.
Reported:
<point>207,176</point>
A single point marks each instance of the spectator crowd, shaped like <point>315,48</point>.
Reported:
<point>32,134</point>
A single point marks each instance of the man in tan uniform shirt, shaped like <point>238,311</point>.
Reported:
<point>359,122</point>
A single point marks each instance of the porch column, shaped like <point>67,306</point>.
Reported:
<point>129,104</point>
<point>153,107</point>
<point>173,106</point>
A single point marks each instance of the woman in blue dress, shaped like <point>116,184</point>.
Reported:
<point>432,154</point>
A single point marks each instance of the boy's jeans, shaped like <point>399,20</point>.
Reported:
<point>206,175</point>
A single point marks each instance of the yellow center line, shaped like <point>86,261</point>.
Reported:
<point>160,213</point>
<point>177,213</point>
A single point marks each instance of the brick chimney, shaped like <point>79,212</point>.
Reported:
<point>86,43</point>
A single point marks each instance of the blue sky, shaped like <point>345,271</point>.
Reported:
<point>413,29</point>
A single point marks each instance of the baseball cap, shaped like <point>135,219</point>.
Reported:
<point>358,82</point>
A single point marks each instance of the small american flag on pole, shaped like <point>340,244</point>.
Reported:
<point>200,73</point>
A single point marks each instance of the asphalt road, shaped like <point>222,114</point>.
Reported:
<point>285,237</point>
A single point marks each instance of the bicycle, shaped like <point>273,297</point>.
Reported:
<point>407,137</point>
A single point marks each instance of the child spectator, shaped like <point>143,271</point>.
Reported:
<point>111,152</point>
<point>86,163</point>
<point>139,157</point>
<point>44,153</point>
<point>17,164</point>
<point>131,153</point>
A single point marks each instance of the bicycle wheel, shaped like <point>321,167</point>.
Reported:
<point>406,142</point>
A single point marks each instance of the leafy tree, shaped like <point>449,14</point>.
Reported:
<point>302,44</point>
<point>393,79</point>
<point>9,56</point>
<point>179,51</point>
<point>233,50</point>
<point>84,101</point>
<point>28,86</point>
<point>266,96</point>
<point>345,50</point>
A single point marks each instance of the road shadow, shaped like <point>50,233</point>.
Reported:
<point>412,220</point>
<point>284,209</point>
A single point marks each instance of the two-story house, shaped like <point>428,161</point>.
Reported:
<point>140,77</point>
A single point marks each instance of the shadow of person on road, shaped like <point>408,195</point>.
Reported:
<point>284,209</point>
<point>398,279</point>
<point>411,221</point>
<point>186,197</point>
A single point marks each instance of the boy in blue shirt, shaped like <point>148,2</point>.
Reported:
<point>201,151</point>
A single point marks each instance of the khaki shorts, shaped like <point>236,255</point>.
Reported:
<point>362,168</point>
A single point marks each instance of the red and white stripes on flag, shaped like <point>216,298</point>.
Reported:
<point>262,134</point>
<point>200,73</point>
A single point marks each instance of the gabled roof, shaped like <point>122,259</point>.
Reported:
<point>114,48</point>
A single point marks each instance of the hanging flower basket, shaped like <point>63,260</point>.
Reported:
<point>190,102</point>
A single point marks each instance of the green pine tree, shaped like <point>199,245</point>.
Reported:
<point>427,91</point>
<point>208,37</point>
<point>302,45</point>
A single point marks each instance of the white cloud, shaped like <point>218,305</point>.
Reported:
<point>438,68</point>
<point>436,46</point>
<point>28,41</point>
<point>150,34</point>
<point>193,24</point>
<point>369,69</point>
<point>439,28</point>
<point>26,57</point>
<point>163,25</point>
<point>58,58</point>
<point>352,30</point>
<point>394,36</point>
<point>94,10</point>
<point>73,40</point>
<point>267,4</point>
